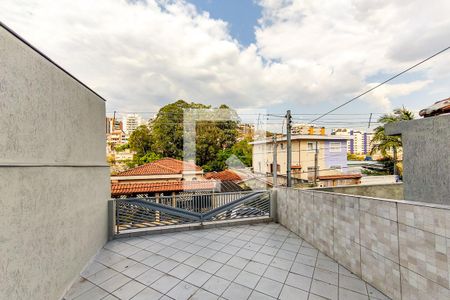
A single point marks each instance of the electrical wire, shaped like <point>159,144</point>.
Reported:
<point>382,83</point>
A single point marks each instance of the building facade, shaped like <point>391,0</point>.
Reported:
<point>131,122</point>
<point>331,152</point>
<point>359,142</point>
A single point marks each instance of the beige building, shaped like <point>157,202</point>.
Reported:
<point>332,156</point>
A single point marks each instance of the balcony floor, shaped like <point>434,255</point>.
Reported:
<point>262,261</point>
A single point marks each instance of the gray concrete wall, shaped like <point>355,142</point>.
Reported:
<point>53,174</point>
<point>400,247</point>
<point>426,158</point>
<point>387,191</point>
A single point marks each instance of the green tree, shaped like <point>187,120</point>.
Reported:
<point>123,147</point>
<point>385,143</point>
<point>140,140</point>
<point>242,150</point>
<point>167,129</point>
<point>212,137</point>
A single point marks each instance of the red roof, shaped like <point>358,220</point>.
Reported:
<point>164,166</point>
<point>340,176</point>
<point>155,187</point>
<point>226,175</point>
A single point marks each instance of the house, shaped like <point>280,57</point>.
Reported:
<point>162,170</point>
<point>331,156</point>
<point>166,176</point>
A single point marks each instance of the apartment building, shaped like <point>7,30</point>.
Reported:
<point>131,122</point>
<point>359,142</point>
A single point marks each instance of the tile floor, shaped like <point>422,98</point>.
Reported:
<point>262,261</point>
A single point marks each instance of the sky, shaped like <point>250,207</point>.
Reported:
<point>272,55</point>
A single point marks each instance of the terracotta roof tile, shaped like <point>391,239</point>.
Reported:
<point>164,166</point>
<point>154,187</point>
<point>226,175</point>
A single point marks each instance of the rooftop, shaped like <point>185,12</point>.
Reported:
<point>164,166</point>
<point>154,187</point>
<point>226,175</point>
<point>263,261</point>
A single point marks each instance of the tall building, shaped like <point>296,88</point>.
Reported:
<point>131,122</point>
<point>359,141</point>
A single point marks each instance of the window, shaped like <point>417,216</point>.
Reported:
<point>335,147</point>
<point>311,146</point>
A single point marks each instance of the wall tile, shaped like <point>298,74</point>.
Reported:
<point>347,253</point>
<point>435,220</point>
<point>424,253</point>
<point>281,205</point>
<point>323,225</point>
<point>306,216</point>
<point>346,217</point>
<point>380,208</point>
<point>292,210</point>
<point>379,235</point>
<point>417,287</point>
<point>381,272</point>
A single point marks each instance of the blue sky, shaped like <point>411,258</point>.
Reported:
<point>241,15</point>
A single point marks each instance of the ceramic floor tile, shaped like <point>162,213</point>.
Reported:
<point>216,285</point>
<point>247,279</point>
<point>129,290</point>
<point>165,283</point>
<point>236,292</point>
<point>198,277</point>
<point>228,272</point>
<point>269,287</point>
<point>147,294</point>
<point>182,291</point>
<point>291,293</point>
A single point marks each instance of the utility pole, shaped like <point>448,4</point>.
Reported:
<point>288,148</point>
<point>316,162</point>
<point>370,120</point>
<point>274,163</point>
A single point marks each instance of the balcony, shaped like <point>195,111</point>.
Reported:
<point>259,261</point>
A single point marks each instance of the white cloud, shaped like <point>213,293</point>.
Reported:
<point>381,96</point>
<point>141,56</point>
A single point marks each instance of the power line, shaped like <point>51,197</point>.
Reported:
<point>380,84</point>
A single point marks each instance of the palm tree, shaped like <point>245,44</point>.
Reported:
<point>384,143</point>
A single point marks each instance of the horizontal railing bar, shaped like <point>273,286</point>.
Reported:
<point>163,208</point>
<point>230,205</point>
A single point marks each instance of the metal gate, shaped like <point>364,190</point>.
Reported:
<point>140,214</point>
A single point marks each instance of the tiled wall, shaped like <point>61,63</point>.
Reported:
<point>400,247</point>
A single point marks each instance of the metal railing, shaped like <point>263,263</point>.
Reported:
<point>197,202</point>
<point>140,213</point>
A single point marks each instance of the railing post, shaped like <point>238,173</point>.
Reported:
<point>174,200</point>
<point>157,212</point>
<point>214,201</point>
<point>111,219</point>
<point>273,205</point>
